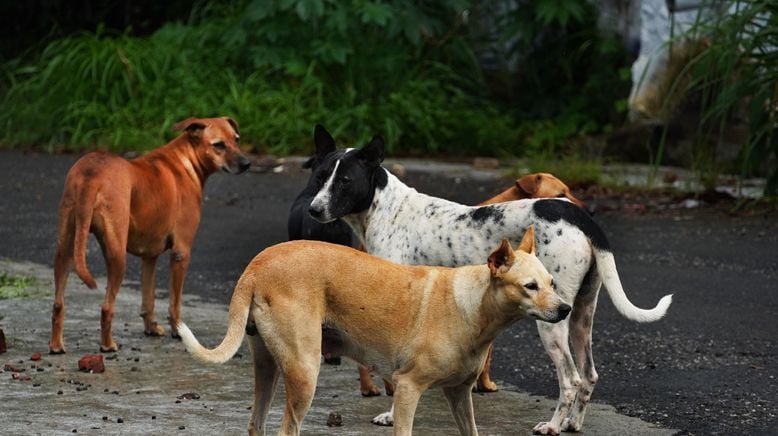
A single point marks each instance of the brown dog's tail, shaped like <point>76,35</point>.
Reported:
<point>83,220</point>
<point>236,328</point>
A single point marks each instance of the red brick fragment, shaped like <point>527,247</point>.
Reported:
<point>35,356</point>
<point>91,363</point>
<point>20,376</point>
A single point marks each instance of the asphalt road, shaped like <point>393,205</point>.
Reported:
<point>709,367</point>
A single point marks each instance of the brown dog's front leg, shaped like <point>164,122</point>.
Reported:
<point>485,383</point>
<point>366,385</point>
<point>179,262</point>
<point>148,297</point>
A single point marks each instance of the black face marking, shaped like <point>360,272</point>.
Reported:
<point>554,210</point>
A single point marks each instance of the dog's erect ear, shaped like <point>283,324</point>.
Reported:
<point>529,183</point>
<point>527,244</point>
<point>233,123</point>
<point>501,259</point>
<point>373,152</point>
<point>309,163</point>
<point>193,126</point>
<point>323,141</point>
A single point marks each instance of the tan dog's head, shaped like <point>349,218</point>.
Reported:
<point>523,280</point>
<point>545,185</point>
<point>216,143</point>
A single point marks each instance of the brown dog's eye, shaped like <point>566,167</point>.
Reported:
<point>220,145</point>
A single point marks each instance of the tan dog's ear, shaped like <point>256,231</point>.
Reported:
<point>233,123</point>
<point>501,259</point>
<point>193,126</point>
<point>527,244</point>
<point>529,183</point>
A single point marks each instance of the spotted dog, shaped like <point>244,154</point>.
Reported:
<point>396,222</point>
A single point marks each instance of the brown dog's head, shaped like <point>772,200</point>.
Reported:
<point>545,185</point>
<point>524,281</point>
<point>216,143</point>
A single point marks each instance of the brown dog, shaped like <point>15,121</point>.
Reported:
<point>144,207</point>
<point>420,326</point>
<point>537,185</point>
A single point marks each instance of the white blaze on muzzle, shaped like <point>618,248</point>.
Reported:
<point>322,199</point>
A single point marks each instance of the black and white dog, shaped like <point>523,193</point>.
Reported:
<point>300,225</point>
<point>396,222</point>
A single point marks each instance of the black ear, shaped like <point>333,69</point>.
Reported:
<point>373,153</point>
<point>323,141</point>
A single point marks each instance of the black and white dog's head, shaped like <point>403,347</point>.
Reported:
<point>346,179</point>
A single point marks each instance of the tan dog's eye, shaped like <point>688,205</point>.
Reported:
<point>532,286</point>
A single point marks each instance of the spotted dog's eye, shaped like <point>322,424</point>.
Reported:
<point>219,145</point>
<point>345,180</point>
<point>532,286</point>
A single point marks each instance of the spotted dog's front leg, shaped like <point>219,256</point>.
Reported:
<point>555,340</point>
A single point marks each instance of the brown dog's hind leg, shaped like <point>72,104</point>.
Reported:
<point>62,264</point>
<point>484,383</point>
<point>114,244</point>
<point>366,385</point>
<point>179,262</point>
<point>148,297</point>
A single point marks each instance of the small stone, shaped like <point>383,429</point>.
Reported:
<point>91,363</point>
<point>105,418</point>
<point>181,427</point>
<point>153,416</point>
<point>119,420</point>
<point>334,420</point>
<point>59,392</point>
<point>189,396</point>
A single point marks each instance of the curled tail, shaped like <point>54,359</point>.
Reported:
<point>83,221</point>
<point>606,267</point>
<point>236,328</point>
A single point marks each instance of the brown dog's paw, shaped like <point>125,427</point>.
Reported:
<point>486,387</point>
<point>373,391</point>
<point>109,349</point>
<point>175,335</point>
<point>57,350</point>
<point>389,389</point>
<point>156,330</point>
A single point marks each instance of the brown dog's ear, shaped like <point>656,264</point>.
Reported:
<point>527,244</point>
<point>529,183</point>
<point>193,126</point>
<point>233,123</point>
<point>501,258</point>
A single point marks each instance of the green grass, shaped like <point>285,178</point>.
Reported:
<point>15,286</point>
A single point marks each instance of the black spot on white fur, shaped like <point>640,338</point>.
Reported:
<point>555,210</point>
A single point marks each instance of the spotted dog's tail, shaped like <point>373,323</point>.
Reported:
<point>236,328</point>
<point>606,267</point>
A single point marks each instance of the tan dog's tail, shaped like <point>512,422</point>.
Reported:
<point>606,267</point>
<point>83,220</point>
<point>236,328</point>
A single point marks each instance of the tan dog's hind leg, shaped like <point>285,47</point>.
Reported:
<point>555,341</point>
<point>460,400</point>
<point>179,262</point>
<point>581,337</point>
<point>148,297</point>
<point>265,382</point>
<point>62,264</point>
<point>114,244</point>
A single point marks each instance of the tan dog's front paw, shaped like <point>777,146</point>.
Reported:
<point>155,330</point>
<point>545,428</point>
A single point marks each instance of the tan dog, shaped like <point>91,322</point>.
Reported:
<point>419,326</point>
<point>537,185</point>
<point>143,206</point>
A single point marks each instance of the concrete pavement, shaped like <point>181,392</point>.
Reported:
<point>151,386</point>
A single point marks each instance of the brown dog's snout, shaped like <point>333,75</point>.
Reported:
<point>243,164</point>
